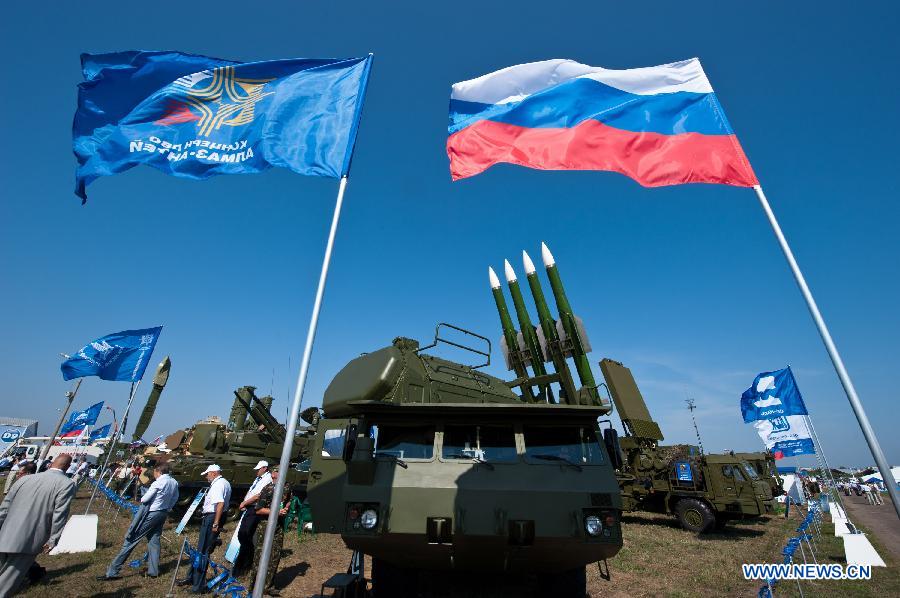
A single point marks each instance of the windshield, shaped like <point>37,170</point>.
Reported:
<point>733,471</point>
<point>482,443</point>
<point>751,471</point>
<point>574,444</point>
<point>404,442</point>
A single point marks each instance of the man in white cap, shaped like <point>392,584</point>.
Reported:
<point>215,507</point>
<point>249,520</point>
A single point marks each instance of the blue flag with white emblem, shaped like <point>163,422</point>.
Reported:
<point>100,432</point>
<point>194,116</point>
<point>79,419</point>
<point>774,405</point>
<point>120,356</point>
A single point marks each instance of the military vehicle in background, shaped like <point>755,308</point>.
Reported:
<point>429,465</point>
<point>764,463</point>
<point>702,491</point>
<point>251,434</point>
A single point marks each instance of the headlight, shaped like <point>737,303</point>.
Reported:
<point>369,519</point>
<point>592,525</point>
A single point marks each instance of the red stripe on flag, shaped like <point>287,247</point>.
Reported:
<point>651,159</point>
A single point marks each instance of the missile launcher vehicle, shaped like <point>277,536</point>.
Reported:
<point>437,470</point>
<point>251,434</point>
<point>702,491</point>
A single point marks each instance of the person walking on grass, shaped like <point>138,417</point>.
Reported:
<point>32,518</point>
<point>148,523</point>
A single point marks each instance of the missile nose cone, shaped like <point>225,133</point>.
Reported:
<point>495,282</point>
<point>162,372</point>
<point>547,256</point>
<point>529,265</point>
<point>510,273</point>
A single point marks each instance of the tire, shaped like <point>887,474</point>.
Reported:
<point>390,580</point>
<point>567,584</point>
<point>694,515</point>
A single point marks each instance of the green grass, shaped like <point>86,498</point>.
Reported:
<point>658,559</point>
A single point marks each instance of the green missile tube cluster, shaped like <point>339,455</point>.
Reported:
<point>509,335</point>
<point>555,341</point>
<point>535,355</point>
<point>548,326</point>
<point>574,342</point>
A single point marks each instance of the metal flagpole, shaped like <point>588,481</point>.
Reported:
<point>278,492</point>
<point>70,395</point>
<point>821,453</point>
<point>112,443</point>
<point>855,403</point>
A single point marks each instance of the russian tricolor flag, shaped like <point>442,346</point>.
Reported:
<point>660,125</point>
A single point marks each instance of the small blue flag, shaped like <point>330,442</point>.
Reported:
<point>772,395</point>
<point>120,356</point>
<point>100,432</point>
<point>194,116</point>
<point>79,419</point>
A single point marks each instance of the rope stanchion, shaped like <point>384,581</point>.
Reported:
<point>222,582</point>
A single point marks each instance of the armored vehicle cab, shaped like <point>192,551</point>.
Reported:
<point>426,464</point>
<point>702,491</point>
<point>764,463</point>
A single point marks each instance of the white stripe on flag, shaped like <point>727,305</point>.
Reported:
<point>515,83</point>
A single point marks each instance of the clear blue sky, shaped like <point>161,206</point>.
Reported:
<point>684,284</point>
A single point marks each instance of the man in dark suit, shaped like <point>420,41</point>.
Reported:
<point>32,518</point>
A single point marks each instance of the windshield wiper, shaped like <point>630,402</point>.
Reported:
<point>557,458</point>
<point>394,458</point>
<point>461,456</point>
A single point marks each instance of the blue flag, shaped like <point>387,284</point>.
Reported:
<point>100,432</point>
<point>774,406</point>
<point>120,356</point>
<point>194,116</point>
<point>773,394</point>
<point>79,419</point>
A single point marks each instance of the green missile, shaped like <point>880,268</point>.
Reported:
<point>536,357</point>
<point>570,326</point>
<point>548,326</point>
<point>159,383</point>
<point>509,334</point>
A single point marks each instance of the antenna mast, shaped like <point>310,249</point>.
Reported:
<point>691,407</point>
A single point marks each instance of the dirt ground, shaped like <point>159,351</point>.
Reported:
<point>881,519</point>
<point>658,559</point>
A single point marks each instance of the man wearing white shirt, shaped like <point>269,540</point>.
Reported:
<point>215,507</point>
<point>249,520</point>
<point>148,522</point>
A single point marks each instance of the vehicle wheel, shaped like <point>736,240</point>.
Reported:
<point>567,584</point>
<point>390,580</point>
<point>694,515</point>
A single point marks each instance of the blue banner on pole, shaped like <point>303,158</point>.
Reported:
<point>122,356</point>
<point>79,419</point>
<point>774,406</point>
<point>772,395</point>
<point>194,116</point>
<point>100,432</point>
